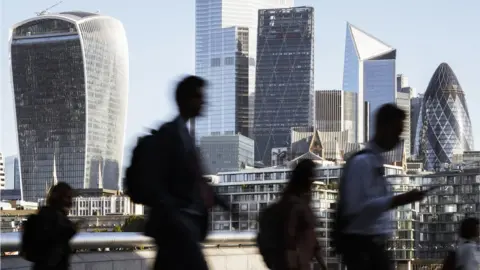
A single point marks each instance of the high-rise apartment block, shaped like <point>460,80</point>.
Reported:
<point>336,110</point>
<point>225,55</point>
<point>70,82</point>
<point>284,77</point>
<point>369,71</point>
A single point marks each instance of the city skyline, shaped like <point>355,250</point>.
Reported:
<point>330,76</point>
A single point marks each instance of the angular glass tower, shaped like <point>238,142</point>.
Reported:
<point>284,84</point>
<point>70,83</point>
<point>446,128</point>
<point>369,71</point>
<point>225,55</point>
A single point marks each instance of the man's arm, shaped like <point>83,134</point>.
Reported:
<point>360,180</point>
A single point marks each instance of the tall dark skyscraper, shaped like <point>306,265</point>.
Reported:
<point>225,54</point>
<point>446,128</point>
<point>70,81</point>
<point>284,77</point>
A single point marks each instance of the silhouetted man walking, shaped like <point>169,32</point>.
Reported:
<point>178,219</point>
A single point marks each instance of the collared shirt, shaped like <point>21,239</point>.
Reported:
<point>367,198</point>
<point>468,255</point>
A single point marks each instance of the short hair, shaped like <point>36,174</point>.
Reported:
<point>387,114</point>
<point>185,88</point>
<point>299,181</point>
<point>468,227</point>
<point>55,195</point>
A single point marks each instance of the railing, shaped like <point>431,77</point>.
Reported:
<point>85,240</point>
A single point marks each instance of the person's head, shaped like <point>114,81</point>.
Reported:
<point>300,183</point>
<point>469,228</point>
<point>190,97</point>
<point>60,196</point>
<point>389,126</point>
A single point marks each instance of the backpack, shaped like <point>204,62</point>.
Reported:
<point>136,184</point>
<point>340,222</point>
<point>269,237</point>
<point>32,241</point>
<point>450,262</point>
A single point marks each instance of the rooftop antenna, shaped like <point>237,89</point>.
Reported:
<point>45,11</point>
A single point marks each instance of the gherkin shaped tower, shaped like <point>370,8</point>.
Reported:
<point>447,129</point>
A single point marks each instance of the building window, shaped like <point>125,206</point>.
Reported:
<point>215,62</point>
<point>229,61</point>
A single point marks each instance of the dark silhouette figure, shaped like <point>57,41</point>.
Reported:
<point>365,199</point>
<point>178,217</point>
<point>298,241</point>
<point>54,230</point>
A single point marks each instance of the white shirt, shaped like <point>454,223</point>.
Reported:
<point>367,197</point>
<point>467,255</point>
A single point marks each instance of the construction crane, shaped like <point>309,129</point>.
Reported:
<point>45,11</point>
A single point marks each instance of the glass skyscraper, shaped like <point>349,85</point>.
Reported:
<point>284,85</point>
<point>369,70</point>
<point>225,55</point>
<point>70,82</point>
<point>446,129</point>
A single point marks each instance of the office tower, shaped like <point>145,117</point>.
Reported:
<point>12,172</point>
<point>225,55</point>
<point>336,110</point>
<point>70,81</point>
<point>446,129</point>
<point>2,172</point>
<point>404,96</point>
<point>415,122</point>
<point>284,80</point>
<point>402,82</point>
<point>369,71</point>
<point>223,153</point>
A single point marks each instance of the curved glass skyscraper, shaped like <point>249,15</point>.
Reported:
<point>70,82</point>
<point>446,129</point>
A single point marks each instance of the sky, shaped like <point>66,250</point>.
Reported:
<point>161,40</point>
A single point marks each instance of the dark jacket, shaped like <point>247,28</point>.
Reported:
<point>57,230</point>
<point>174,166</point>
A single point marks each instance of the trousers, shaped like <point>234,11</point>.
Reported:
<point>180,251</point>
<point>366,252</point>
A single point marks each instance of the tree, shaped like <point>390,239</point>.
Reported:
<point>134,224</point>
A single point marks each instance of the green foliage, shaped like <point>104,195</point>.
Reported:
<point>117,228</point>
<point>134,224</point>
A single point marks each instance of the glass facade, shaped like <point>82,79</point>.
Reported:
<point>369,71</point>
<point>284,83</point>
<point>251,191</point>
<point>446,129</point>
<point>70,81</point>
<point>441,212</point>
<point>225,55</point>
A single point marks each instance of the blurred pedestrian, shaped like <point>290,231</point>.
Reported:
<point>46,235</point>
<point>287,238</point>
